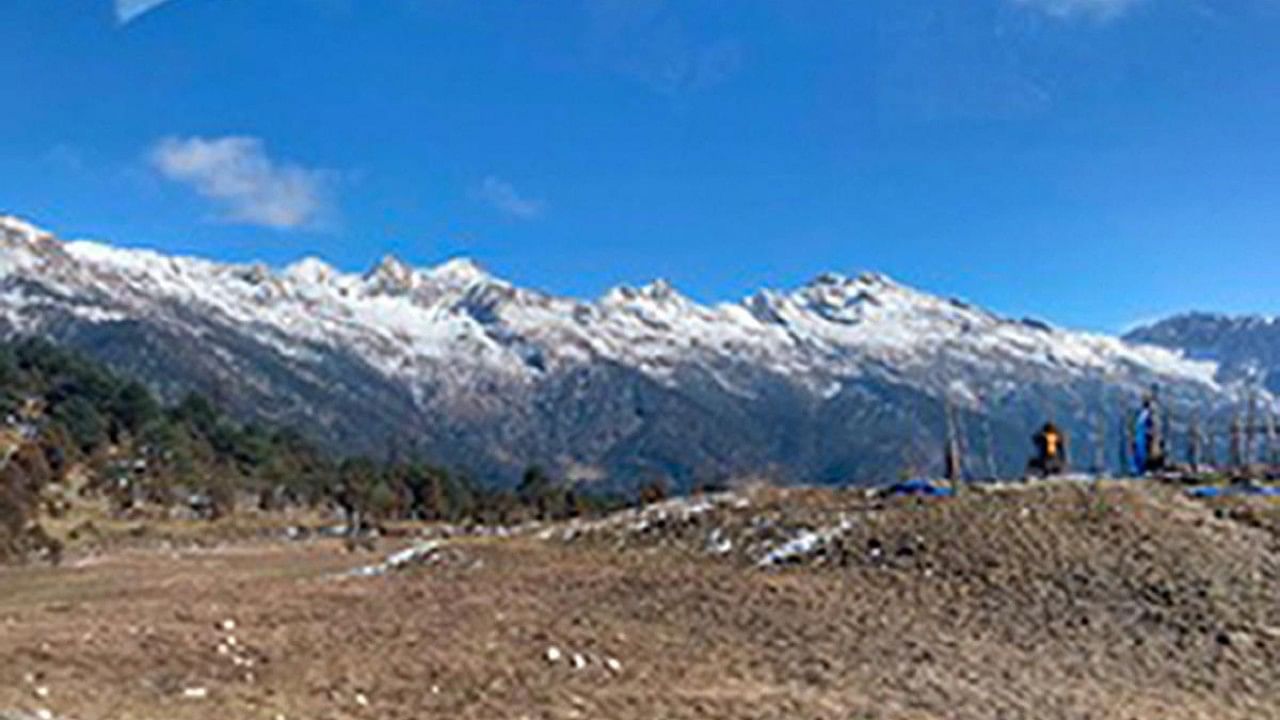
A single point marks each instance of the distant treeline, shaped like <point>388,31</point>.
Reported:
<point>64,413</point>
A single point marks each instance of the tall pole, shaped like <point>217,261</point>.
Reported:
<point>1211,448</point>
<point>1100,445</point>
<point>1237,442</point>
<point>990,443</point>
<point>1194,441</point>
<point>1250,425</point>
<point>1271,440</point>
<point>953,461</point>
<point>1126,441</point>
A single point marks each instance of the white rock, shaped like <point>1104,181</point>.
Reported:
<point>228,625</point>
<point>553,654</point>
<point>579,661</point>
<point>614,665</point>
<point>361,700</point>
<point>42,692</point>
<point>44,714</point>
<point>195,693</point>
<point>223,649</point>
<point>231,640</point>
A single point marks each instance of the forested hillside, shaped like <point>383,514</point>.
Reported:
<point>69,422</point>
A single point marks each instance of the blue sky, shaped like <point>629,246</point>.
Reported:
<point>1093,162</point>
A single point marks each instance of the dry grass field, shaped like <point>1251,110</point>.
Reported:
<point>1059,601</point>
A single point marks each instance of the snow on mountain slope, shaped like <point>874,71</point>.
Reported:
<point>1245,348</point>
<point>464,343</point>
<point>399,316</point>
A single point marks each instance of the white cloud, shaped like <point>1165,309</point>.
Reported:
<point>502,196</point>
<point>247,185</point>
<point>129,10</point>
<point>1095,9</point>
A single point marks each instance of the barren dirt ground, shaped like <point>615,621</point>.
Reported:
<point>1050,602</point>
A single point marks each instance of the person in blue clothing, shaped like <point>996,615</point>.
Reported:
<point>1148,444</point>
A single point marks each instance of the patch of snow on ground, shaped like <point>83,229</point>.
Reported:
<point>398,560</point>
<point>804,545</point>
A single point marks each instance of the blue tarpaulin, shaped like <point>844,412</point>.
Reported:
<point>919,487</point>
<point>1213,491</point>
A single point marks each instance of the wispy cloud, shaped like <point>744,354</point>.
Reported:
<point>503,197</point>
<point>650,42</point>
<point>129,10</point>
<point>247,185</point>
<point>1093,9</point>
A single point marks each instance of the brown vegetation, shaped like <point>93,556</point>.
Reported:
<point>1056,601</point>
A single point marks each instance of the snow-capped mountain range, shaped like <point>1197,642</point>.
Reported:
<point>842,378</point>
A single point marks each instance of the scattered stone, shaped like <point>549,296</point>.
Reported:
<point>195,693</point>
<point>362,700</point>
<point>553,654</point>
<point>42,692</point>
<point>228,625</point>
<point>614,665</point>
<point>44,714</point>
<point>579,661</point>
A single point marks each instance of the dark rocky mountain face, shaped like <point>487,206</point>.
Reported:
<point>846,379</point>
<point>1247,349</point>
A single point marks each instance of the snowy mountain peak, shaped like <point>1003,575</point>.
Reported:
<point>659,292</point>
<point>17,228</point>
<point>391,276</point>
<point>459,273</point>
<point>864,280</point>
<point>828,279</point>
<point>311,270</point>
<point>877,279</point>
